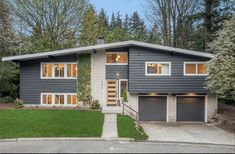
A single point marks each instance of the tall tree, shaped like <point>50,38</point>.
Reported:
<point>137,28</point>
<point>8,71</point>
<point>221,72</point>
<point>173,17</point>
<point>52,23</point>
<point>102,23</point>
<point>88,32</point>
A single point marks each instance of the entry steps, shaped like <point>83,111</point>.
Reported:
<point>112,109</point>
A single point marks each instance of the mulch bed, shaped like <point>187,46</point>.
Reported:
<point>12,106</point>
<point>7,106</point>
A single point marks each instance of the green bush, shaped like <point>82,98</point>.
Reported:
<point>6,99</point>
<point>124,96</point>
<point>95,104</point>
<point>19,103</point>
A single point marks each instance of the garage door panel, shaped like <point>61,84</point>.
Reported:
<point>191,108</point>
<point>152,108</point>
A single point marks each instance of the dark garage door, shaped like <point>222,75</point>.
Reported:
<point>190,108</point>
<point>152,108</point>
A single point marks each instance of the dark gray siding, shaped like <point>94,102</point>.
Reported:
<point>111,71</point>
<point>31,85</point>
<point>176,83</point>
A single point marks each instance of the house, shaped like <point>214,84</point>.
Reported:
<point>163,83</point>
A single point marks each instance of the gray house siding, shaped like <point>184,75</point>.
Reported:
<point>176,83</point>
<point>31,85</point>
<point>111,71</point>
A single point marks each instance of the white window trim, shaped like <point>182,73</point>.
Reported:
<point>119,87</point>
<point>53,70</point>
<point>146,68</point>
<point>53,99</point>
<point>115,63</point>
<point>187,74</point>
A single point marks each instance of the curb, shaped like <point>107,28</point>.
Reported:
<point>195,143</point>
<point>66,139</point>
<point>108,139</point>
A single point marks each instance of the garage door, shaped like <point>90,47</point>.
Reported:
<point>190,108</point>
<point>152,108</point>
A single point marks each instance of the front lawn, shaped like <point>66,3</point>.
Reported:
<point>126,128</point>
<point>50,123</point>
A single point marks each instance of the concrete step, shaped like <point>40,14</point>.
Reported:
<point>112,109</point>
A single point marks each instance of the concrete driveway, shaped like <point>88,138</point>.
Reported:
<point>192,133</point>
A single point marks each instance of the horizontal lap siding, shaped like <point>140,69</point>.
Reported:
<point>111,71</point>
<point>31,85</point>
<point>176,83</point>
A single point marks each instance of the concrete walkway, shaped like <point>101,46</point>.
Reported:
<point>110,126</point>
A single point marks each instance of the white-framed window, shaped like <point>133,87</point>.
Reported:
<point>116,58</point>
<point>58,70</point>
<point>157,68</point>
<point>59,99</point>
<point>195,68</point>
<point>123,86</point>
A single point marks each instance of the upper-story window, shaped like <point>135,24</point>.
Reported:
<point>195,68</point>
<point>157,68</point>
<point>58,70</point>
<point>118,58</point>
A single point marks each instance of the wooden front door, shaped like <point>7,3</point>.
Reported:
<point>111,92</point>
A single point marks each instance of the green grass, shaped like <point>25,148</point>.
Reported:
<point>127,129</point>
<point>50,123</point>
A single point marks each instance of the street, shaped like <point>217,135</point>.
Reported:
<point>109,147</point>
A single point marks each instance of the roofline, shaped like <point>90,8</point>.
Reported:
<point>87,49</point>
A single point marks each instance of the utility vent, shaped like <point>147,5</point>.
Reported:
<point>100,40</point>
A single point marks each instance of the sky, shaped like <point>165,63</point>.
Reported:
<point>123,6</point>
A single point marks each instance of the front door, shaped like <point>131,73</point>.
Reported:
<point>111,92</point>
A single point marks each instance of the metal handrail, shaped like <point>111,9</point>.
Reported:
<point>124,109</point>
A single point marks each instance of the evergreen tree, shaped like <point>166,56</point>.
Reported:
<point>154,36</point>
<point>126,23</point>
<point>9,73</point>
<point>137,28</point>
<point>102,24</point>
<point>112,22</point>
<point>221,72</point>
<point>88,32</point>
<point>118,21</point>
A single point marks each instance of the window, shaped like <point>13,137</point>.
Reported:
<point>59,99</point>
<point>195,68</point>
<point>47,99</point>
<point>47,70</point>
<point>117,58</point>
<point>122,87</point>
<point>58,70</point>
<point>72,99</point>
<point>157,68</point>
<point>62,99</point>
<point>71,70</point>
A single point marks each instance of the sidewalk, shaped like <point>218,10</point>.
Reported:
<point>110,126</point>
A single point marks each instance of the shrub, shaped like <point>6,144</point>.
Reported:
<point>95,104</point>
<point>6,99</point>
<point>19,103</point>
<point>125,97</point>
